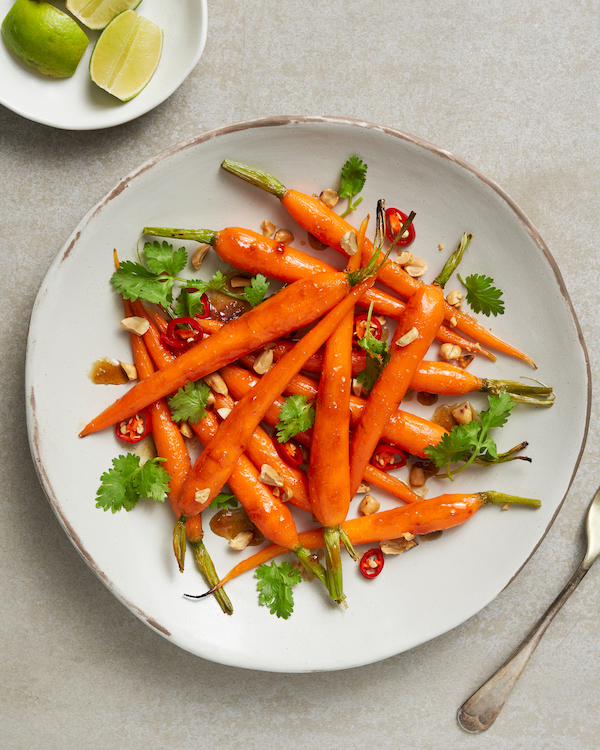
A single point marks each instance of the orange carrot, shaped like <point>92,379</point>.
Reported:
<point>212,469</point>
<point>294,306</point>
<point>412,339</point>
<point>327,226</point>
<point>424,517</point>
<point>254,253</point>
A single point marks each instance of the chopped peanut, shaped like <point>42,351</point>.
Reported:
<point>269,476</point>
<point>329,197</point>
<point>263,362</point>
<point>186,430</point>
<point>202,496</point>
<point>454,298</point>
<point>417,267</point>
<point>398,546</point>
<point>450,351</point>
<point>369,505</point>
<point>268,228</point>
<point>224,412</point>
<point>416,477</point>
<point>362,488</point>
<point>404,257</point>
<point>216,383</point>
<point>135,324</point>
<point>408,337</point>
<point>284,236</point>
<point>349,243</point>
<point>199,255</point>
<point>241,540</point>
<point>463,413</point>
<point>129,370</point>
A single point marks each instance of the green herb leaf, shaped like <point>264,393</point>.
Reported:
<point>128,481</point>
<point>161,258</point>
<point>134,281</point>
<point>378,355</point>
<point>189,302</point>
<point>296,415</point>
<point>275,587</point>
<point>469,441</point>
<point>482,296</point>
<point>223,501</point>
<point>189,403</point>
<point>255,292</point>
<point>354,175</point>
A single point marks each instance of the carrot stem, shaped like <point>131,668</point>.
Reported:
<point>205,564</point>
<point>453,261</point>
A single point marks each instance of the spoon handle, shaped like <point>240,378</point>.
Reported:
<point>479,712</point>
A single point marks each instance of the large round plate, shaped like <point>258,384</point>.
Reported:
<point>422,593</point>
<point>76,103</point>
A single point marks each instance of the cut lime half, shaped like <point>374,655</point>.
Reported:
<point>44,37</point>
<point>97,14</point>
<point>126,55</point>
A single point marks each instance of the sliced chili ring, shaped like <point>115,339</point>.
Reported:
<point>371,563</point>
<point>360,326</point>
<point>136,428</point>
<point>290,452</point>
<point>387,457</point>
<point>182,333</point>
<point>394,219</point>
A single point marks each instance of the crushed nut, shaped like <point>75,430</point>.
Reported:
<point>216,383</point>
<point>362,488</point>
<point>408,337</point>
<point>224,412</point>
<point>210,399</point>
<point>404,257</point>
<point>450,351</point>
<point>348,243</point>
<point>186,430</point>
<point>465,360</point>
<point>287,494</point>
<point>416,477</point>
<point>268,228</point>
<point>135,324</point>
<point>199,255</point>
<point>269,476</point>
<point>241,540</point>
<point>239,282</point>
<point>398,546</point>
<point>129,370</point>
<point>453,322</point>
<point>369,505</point>
<point>357,387</point>
<point>440,246</point>
<point>202,496</point>
<point>263,362</point>
<point>417,267</point>
<point>329,197</point>
<point>506,506</point>
<point>454,298</point>
<point>463,413</point>
<point>284,236</point>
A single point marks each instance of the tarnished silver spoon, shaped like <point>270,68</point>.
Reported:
<point>479,712</point>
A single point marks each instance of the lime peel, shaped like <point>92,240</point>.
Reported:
<point>97,14</point>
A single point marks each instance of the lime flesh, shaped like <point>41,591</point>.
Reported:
<point>97,14</point>
<point>44,37</point>
<point>126,55</point>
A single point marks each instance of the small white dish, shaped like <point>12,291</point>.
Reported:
<point>420,594</point>
<point>76,103</point>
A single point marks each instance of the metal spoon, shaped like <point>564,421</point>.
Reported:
<point>479,712</point>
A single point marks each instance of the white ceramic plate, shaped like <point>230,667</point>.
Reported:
<point>421,594</point>
<point>76,103</point>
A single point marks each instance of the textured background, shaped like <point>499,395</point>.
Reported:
<point>513,90</point>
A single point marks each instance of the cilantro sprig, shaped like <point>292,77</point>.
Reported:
<point>190,402</point>
<point>378,355</point>
<point>354,175</point>
<point>467,442</point>
<point>296,415</point>
<point>129,480</point>
<point>154,282</point>
<point>482,296</point>
<point>275,587</point>
<point>223,501</point>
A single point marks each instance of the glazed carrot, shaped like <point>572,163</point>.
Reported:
<point>328,472</point>
<point>411,340</point>
<point>254,253</point>
<point>425,517</point>
<point>321,221</point>
<point>212,469</point>
<point>240,381</point>
<point>294,306</point>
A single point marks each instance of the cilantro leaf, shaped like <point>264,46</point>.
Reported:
<point>189,302</point>
<point>354,175</point>
<point>223,501</point>
<point>163,259</point>
<point>189,403</point>
<point>128,481</point>
<point>134,281</point>
<point>466,442</point>
<point>482,296</point>
<point>296,415</point>
<point>275,587</point>
<point>255,292</point>
<point>378,355</point>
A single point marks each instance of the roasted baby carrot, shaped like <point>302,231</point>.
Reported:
<point>322,222</point>
<point>294,306</point>
<point>411,340</point>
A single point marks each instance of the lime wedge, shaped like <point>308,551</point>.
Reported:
<point>126,55</point>
<point>44,37</point>
<point>96,14</point>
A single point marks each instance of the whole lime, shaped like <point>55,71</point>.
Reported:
<point>44,37</point>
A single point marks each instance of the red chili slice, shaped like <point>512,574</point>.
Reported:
<point>135,428</point>
<point>182,333</point>
<point>394,219</point>
<point>387,457</point>
<point>371,563</point>
<point>290,452</point>
<point>360,326</point>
